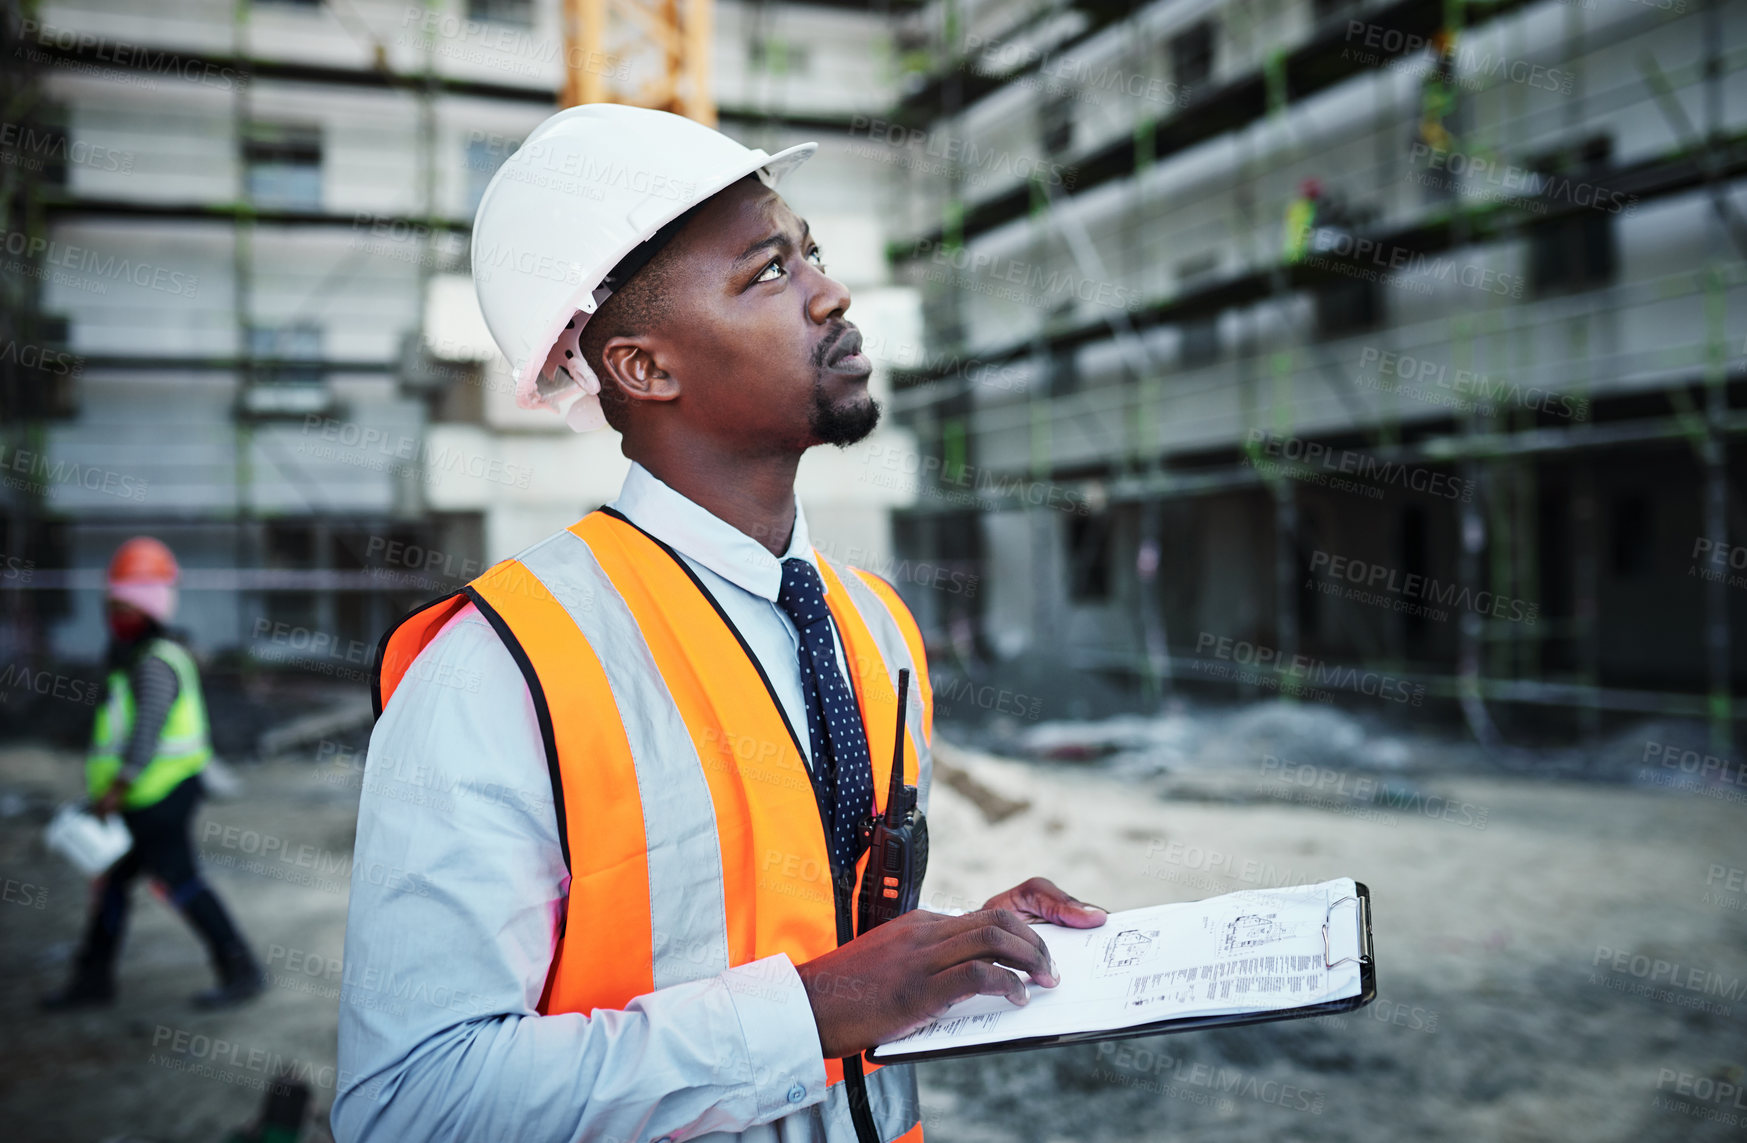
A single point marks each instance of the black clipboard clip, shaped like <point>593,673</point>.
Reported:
<point>1363,918</point>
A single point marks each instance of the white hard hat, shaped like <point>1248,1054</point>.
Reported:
<point>585,189</point>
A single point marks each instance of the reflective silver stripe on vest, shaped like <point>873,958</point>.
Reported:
<point>889,637</point>
<point>687,898</point>
<point>897,1108</point>
<point>896,1105</point>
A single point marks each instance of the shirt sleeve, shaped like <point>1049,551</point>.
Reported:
<point>458,888</point>
<point>152,682</point>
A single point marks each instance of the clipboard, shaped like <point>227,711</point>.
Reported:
<point>1366,959</point>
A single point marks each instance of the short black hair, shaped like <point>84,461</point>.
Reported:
<point>637,307</point>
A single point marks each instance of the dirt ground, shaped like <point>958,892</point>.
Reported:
<point>1556,959</point>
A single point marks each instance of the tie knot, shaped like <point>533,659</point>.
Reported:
<point>803,594</point>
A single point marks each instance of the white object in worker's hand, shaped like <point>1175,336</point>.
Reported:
<point>91,843</point>
<point>587,187</point>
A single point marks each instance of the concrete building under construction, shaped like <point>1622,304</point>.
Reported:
<point>238,307</point>
<point>1357,347</point>
<point>1378,350</point>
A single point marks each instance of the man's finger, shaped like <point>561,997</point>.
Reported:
<point>993,943</point>
<point>977,978</point>
<point>1013,923</point>
<point>1077,914</point>
<point>1044,898</point>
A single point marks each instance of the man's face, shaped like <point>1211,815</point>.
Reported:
<point>126,622</point>
<point>755,333</point>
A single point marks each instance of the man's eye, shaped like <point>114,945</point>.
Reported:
<point>817,257</point>
<point>765,274</point>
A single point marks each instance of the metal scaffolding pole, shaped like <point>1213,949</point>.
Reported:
<point>1716,517</point>
<point>1718,653</point>
<point>244,553</point>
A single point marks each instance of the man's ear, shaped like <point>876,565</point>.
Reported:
<point>631,364</point>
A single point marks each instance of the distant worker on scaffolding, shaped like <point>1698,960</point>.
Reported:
<point>1301,220</point>
<point>148,748</point>
<point>1317,220</point>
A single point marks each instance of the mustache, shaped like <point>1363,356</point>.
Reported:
<point>842,342</point>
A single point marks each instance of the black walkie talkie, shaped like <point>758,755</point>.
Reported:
<point>897,842</point>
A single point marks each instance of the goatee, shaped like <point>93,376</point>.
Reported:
<point>841,426</point>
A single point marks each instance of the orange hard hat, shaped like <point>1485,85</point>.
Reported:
<point>143,560</point>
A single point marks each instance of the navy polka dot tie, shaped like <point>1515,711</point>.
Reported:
<point>834,730</point>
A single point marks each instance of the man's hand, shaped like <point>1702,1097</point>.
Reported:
<point>110,802</point>
<point>1040,900</point>
<point>895,979</point>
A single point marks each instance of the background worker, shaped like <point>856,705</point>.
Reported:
<point>148,747</point>
<point>660,727</point>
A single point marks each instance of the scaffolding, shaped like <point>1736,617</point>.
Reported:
<point>423,71</point>
<point>1498,532</point>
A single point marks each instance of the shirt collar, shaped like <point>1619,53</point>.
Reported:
<point>695,532</point>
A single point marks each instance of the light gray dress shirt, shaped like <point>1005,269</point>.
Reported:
<point>459,885</point>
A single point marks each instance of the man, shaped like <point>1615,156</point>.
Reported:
<point>658,732</point>
<point>148,747</point>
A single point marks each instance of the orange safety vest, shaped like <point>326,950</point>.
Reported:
<point>684,803</point>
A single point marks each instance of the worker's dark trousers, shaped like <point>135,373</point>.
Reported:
<point>162,848</point>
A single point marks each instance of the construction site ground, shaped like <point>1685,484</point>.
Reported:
<point>1557,959</point>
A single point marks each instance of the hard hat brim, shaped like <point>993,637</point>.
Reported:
<point>785,161</point>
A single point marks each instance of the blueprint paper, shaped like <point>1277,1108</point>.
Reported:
<point>1257,950</point>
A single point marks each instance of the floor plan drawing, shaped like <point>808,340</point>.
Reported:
<point>1252,930</point>
<point>1127,950</point>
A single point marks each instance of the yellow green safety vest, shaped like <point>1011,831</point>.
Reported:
<point>183,746</point>
<point>1300,221</point>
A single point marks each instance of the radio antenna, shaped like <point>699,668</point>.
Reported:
<point>895,797</point>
